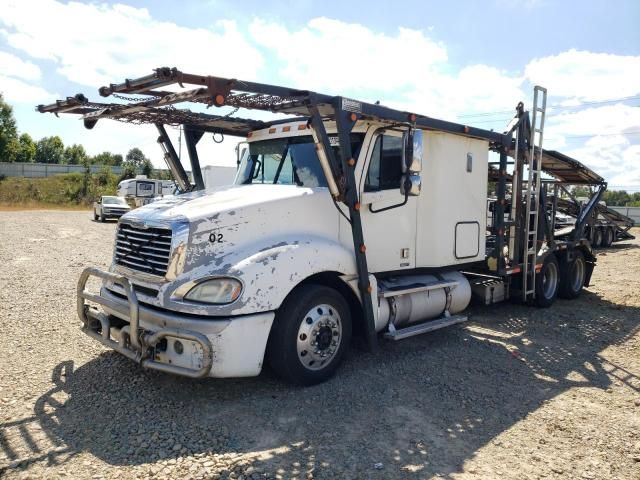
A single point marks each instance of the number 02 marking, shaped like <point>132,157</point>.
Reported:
<point>215,237</point>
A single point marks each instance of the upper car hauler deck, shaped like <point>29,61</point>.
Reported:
<point>348,216</point>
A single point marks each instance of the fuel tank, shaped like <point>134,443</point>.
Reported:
<point>407,308</point>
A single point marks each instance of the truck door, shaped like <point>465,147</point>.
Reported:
<point>389,234</point>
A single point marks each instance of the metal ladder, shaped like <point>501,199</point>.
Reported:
<point>532,194</point>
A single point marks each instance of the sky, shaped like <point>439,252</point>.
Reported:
<point>467,61</point>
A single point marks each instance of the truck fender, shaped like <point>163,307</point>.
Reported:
<point>274,270</point>
<point>272,273</point>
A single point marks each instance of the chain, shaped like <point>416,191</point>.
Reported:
<point>135,99</point>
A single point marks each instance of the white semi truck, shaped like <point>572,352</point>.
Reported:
<point>345,220</point>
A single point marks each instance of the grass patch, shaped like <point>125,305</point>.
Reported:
<point>69,191</point>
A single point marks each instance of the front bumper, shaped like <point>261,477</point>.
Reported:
<point>216,347</point>
<point>114,213</point>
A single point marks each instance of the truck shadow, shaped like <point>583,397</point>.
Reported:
<point>420,407</point>
<point>616,247</point>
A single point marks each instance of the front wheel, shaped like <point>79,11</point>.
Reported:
<point>547,281</point>
<point>102,217</point>
<point>95,216</point>
<point>310,335</point>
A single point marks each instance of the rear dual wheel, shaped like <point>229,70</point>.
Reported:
<point>547,282</point>
<point>597,238</point>
<point>572,276</point>
<point>608,237</point>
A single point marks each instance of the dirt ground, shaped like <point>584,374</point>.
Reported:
<point>517,392</point>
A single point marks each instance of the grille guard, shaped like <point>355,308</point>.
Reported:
<point>137,345</point>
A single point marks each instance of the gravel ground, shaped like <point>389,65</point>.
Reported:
<point>516,392</point>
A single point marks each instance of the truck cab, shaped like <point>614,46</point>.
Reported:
<point>236,256</point>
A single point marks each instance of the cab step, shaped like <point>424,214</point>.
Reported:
<point>419,328</point>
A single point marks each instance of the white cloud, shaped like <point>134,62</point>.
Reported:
<point>16,77</point>
<point>15,90</point>
<point>408,70</point>
<point>587,75</point>
<point>606,120</point>
<point>332,55</point>
<point>613,157</point>
<point>13,66</point>
<point>94,44</point>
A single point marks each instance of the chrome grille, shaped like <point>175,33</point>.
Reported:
<point>143,249</point>
<point>119,211</point>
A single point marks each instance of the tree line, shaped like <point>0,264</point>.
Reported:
<point>613,198</point>
<point>15,147</point>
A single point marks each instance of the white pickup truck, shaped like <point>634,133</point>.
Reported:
<point>109,206</point>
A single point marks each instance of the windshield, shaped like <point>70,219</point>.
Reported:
<point>115,200</point>
<point>288,161</point>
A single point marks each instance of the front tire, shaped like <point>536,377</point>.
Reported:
<point>310,335</point>
<point>572,275</point>
<point>547,281</point>
<point>102,217</point>
<point>95,216</point>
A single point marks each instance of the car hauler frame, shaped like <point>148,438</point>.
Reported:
<point>522,250</point>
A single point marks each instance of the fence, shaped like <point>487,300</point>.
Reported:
<point>39,170</point>
<point>632,212</point>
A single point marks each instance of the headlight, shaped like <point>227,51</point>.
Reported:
<point>218,291</point>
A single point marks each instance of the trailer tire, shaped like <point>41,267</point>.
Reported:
<point>547,282</point>
<point>597,238</point>
<point>302,346</point>
<point>572,275</point>
<point>608,237</point>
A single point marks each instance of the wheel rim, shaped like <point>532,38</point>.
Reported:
<point>550,280</point>
<point>577,277</point>
<point>319,337</point>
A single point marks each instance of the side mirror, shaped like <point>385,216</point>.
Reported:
<point>412,163</point>
<point>412,153</point>
<point>411,185</point>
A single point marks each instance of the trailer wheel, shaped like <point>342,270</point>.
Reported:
<point>547,281</point>
<point>597,238</point>
<point>572,275</point>
<point>608,237</point>
<point>310,335</point>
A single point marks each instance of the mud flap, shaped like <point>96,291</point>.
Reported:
<point>591,264</point>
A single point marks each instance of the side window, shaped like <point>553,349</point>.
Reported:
<point>385,167</point>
